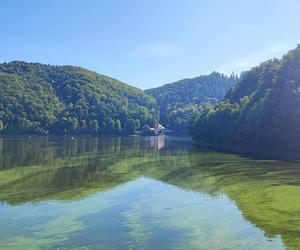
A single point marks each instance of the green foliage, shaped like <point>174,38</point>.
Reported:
<point>94,125</point>
<point>179,101</point>
<point>262,112</point>
<point>1,125</point>
<point>117,126</point>
<point>43,99</point>
<point>132,125</point>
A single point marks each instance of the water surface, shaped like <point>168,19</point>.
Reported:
<point>143,193</point>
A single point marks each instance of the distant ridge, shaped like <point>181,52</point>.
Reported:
<point>178,101</point>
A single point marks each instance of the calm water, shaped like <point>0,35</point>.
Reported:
<point>143,193</point>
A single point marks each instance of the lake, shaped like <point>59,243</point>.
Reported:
<point>143,193</point>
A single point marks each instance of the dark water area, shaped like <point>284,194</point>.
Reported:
<point>143,193</point>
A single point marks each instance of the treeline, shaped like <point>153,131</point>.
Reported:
<point>261,113</point>
<point>179,101</point>
<point>37,98</point>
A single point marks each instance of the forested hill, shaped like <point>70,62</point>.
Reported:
<point>262,112</point>
<point>179,100</point>
<point>37,98</point>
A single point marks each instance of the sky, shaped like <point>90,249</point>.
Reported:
<point>147,43</point>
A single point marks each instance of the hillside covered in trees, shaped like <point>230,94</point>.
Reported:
<point>261,113</point>
<point>37,98</point>
<point>179,101</point>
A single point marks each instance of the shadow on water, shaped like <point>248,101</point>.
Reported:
<point>250,153</point>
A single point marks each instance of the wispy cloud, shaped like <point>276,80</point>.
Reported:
<point>246,62</point>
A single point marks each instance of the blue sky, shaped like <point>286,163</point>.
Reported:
<point>147,43</point>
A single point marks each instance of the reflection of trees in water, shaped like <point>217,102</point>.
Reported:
<point>28,151</point>
<point>43,150</point>
<point>66,168</point>
<point>42,167</point>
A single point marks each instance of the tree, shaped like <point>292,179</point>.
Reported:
<point>145,128</point>
<point>37,98</point>
<point>131,126</point>
<point>94,125</point>
<point>261,113</point>
<point>110,126</point>
<point>74,123</point>
<point>1,125</point>
<point>179,101</point>
<point>118,126</point>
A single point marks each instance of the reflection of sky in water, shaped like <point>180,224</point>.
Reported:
<point>143,193</point>
<point>141,214</point>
